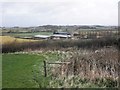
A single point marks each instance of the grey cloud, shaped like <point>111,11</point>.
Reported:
<point>38,13</point>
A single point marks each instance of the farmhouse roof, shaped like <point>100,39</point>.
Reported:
<point>62,33</point>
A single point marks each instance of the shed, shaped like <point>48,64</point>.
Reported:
<point>41,37</point>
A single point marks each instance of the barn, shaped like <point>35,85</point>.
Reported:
<point>61,35</point>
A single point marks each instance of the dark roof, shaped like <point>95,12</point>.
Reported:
<point>62,33</point>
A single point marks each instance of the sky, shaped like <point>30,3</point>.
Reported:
<point>58,12</point>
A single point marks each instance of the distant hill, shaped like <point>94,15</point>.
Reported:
<point>53,28</point>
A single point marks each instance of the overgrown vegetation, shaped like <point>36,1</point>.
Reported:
<point>59,44</point>
<point>87,69</point>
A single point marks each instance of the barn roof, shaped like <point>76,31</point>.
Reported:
<point>58,35</point>
<point>62,33</point>
<point>41,36</point>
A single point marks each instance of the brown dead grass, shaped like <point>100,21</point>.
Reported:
<point>7,40</point>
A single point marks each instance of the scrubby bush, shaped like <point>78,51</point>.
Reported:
<point>87,68</point>
<point>59,44</point>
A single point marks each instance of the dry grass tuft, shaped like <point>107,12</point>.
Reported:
<point>97,67</point>
<point>7,40</point>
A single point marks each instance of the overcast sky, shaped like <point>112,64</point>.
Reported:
<point>58,12</point>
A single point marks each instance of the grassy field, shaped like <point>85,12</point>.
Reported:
<point>27,34</point>
<point>8,40</point>
<point>17,70</point>
<point>24,70</point>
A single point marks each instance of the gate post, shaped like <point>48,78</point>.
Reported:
<point>45,71</point>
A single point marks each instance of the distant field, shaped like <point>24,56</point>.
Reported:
<point>8,39</point>
<point>27,34</point>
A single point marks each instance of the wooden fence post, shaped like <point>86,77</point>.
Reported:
<point>75,67</point>
<point>45,71</point>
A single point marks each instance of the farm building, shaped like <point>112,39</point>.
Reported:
<point>41,37</point>
<point>56,35</point>
<point>61,35</point>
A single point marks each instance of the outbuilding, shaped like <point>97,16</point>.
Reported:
<point>61,35</point>
<point>41,37</point>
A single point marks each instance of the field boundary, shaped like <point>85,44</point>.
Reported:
<point>45,66</point>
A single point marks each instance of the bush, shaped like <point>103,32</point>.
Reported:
<point>59,44</point>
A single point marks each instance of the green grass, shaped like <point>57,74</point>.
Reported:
<point>22,71</point>
<point>27,34</point>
